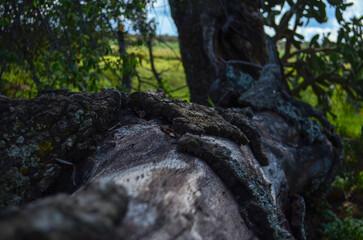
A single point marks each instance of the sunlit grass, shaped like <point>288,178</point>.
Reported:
<point>18,83</point>
<point>348,120</point>
<point>167,63</point>
<point>172,75</point>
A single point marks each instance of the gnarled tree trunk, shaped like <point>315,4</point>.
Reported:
<point>142,166</point>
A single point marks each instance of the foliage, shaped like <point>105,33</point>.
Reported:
<point>341,218</point>
<point>322,64</point>
<point>63,44</point>
<point>166,60</point>
<point>350,179</point>
<point>348,228</point>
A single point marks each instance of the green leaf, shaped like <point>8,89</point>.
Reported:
<point>54,66</point>
<point>340,36</point>
<point>334,58</point>
<point>296,44</point>
<point>335,2</point>
<point>284,17</point>
<point>211,103</point>
<point>338,15</point>
<point>299,36</point>
<point>314,40</point>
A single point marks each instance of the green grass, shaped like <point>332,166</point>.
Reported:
<point>348,120</point>
<point>18,83</point>
<point>167,63</point>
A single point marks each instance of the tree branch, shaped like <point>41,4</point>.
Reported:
<point>153,69</point>
<point>246,63</point>
<point>313,50</point>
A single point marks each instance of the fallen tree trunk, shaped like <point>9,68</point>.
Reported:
<point>141,166</point>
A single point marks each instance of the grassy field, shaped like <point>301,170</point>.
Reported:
<point>168,64</point>
<point>348,119</point>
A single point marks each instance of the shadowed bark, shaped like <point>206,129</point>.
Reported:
<point>214,34</point>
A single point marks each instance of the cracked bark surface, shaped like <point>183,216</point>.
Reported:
<point>148,167</point>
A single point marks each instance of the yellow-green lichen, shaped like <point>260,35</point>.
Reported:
<point>45,147</point>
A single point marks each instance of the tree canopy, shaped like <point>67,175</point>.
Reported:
<point>65,44</point>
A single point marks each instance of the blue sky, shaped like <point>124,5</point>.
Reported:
<point>161,13</point>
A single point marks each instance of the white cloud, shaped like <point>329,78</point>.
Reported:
<point>332,26</point>
<point>355,10</point>
<point>269,31</point>
<point>309,32</point>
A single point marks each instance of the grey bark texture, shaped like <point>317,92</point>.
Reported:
<point>114,166</point>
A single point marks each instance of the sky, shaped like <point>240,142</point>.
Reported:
<point>161,13</point>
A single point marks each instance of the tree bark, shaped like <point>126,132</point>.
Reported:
<point>147,167</point>
<point>215,33</point>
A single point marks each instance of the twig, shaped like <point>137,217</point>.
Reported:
<point>166,44</point>
<point>177,89</point>
<point>156,74</point>
<point>313,50</point>
<point>69,164</point>
<point>251,64</point>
